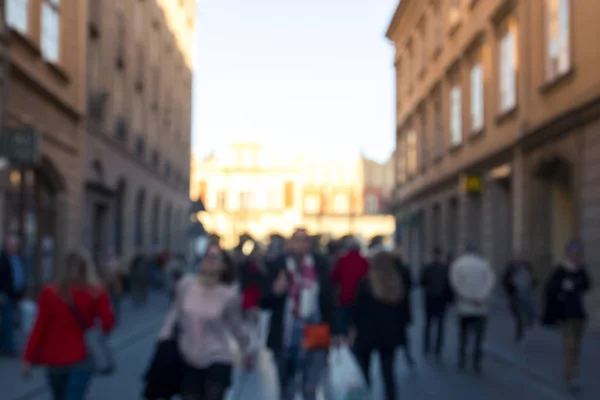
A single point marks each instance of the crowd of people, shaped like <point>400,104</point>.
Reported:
<point>317,298</point>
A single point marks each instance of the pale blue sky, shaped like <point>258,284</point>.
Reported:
<point>293,75</point>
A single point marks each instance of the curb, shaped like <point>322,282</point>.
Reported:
<point>118,346</point>
<point>538,379</point>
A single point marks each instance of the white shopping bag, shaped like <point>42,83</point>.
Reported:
<point>28,312</point>
<point>345,380</point>
<point>261,382</point>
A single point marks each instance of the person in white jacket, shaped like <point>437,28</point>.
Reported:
<point>472,279</point>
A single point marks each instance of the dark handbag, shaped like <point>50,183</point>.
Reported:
<point>163,376</point>
<point>97,349</point>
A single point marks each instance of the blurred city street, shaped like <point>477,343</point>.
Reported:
<point>530,371</point>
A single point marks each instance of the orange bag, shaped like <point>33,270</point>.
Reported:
<point>316,337</point>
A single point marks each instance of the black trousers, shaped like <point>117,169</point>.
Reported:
<point>363,356</point>
<point>435,314</point>
<point>474,325</point>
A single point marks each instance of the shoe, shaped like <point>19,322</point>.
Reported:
<point>574,386</point>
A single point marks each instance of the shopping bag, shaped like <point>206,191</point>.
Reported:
<point>28,312</point>
<point>345,380</point>
<point>261,382</point>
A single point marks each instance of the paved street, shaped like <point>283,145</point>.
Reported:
<point>503,376</point>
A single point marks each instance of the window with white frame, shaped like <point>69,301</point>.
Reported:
<point>455,11</point>
<point>508,70</point>
<point>312,204</point>
<point>372,204</point>
<point>341,203</point>
<point>477,97</point>
<point>401,159</point>
<point>411,152</point>
<point>17,15</point>
<point>558,36</point>
<point>423,44</point>
<point>438,123</point>
<point>51,30</point>
<point>424,136</point>
<point>456,114</point>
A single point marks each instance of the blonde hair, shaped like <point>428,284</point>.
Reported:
<point>78,263</point>
<point>385,280</point>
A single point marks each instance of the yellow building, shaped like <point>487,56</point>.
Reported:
<point>249,190</point>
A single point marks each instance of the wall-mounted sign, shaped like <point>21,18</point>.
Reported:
<point>20,145</point>
<point>471,184</point>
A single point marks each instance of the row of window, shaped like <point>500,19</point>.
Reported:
<point>559,63</point>
<point>558,37</point>
<point>17,17</point>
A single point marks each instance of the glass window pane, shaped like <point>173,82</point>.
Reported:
<point>17,14</point>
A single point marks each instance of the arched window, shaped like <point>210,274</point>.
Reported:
<point>139,218</point>
<point>166,231</point>
<point>119,212</point>
<point>155,222</point>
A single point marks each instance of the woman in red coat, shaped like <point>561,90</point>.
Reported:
<point>57,340</point>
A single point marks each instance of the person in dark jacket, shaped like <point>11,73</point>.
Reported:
<point>519,284</point>
<point>565,296</point>
<point>406,275</point>
<point>299,295</point>
<point>435,281</point>
<point>12,286</point>
<point>380,317</point>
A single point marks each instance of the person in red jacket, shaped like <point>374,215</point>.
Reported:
<point>350,269</point>
<point>57,341</point>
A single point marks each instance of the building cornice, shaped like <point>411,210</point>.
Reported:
<point>396,19</point>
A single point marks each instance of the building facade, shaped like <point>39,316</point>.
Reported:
<point>498,128</point>
<point>137,151</point>
<point>44,107</point>
<point>251,191</point>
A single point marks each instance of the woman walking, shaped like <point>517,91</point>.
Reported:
<point>206,308</point>
<point>564,305</point>
<point>380,317</point>
<point>57,339</point>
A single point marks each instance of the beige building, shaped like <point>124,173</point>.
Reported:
<point>137,152</point>
<point>249,190</point>
<point>43,99</point>
<point>498,128</point>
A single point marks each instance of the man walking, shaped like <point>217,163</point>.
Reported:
<point>519,284</point>
<point>12,285</point>
<point>349,271</point>
<point>437,293</point>
<point>299,296</point>
<point>472,279</point>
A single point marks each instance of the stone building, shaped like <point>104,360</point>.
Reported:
<point>137,151</point>
<point>251,190</point>
<point>44,104</point>
<point>498,128</point>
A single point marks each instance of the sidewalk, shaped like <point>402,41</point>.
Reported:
<point>540,354</point>
<point>134,324</point>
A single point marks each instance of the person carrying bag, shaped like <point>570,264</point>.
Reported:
<point>64,337</point>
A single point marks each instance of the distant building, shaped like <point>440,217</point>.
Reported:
<point>250,190</point>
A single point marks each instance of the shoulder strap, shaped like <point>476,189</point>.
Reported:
<point>75,311</point>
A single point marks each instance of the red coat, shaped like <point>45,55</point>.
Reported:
<point>56,338</point>
<point>349,270</point>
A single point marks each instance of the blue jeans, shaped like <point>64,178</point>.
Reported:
<point>7,340</point>
<point>69,383</point>
<point>343,320</point>
<point>311,365</point>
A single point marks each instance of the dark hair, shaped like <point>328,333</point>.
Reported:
<point>437,251</point>
<point>229,274</point>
